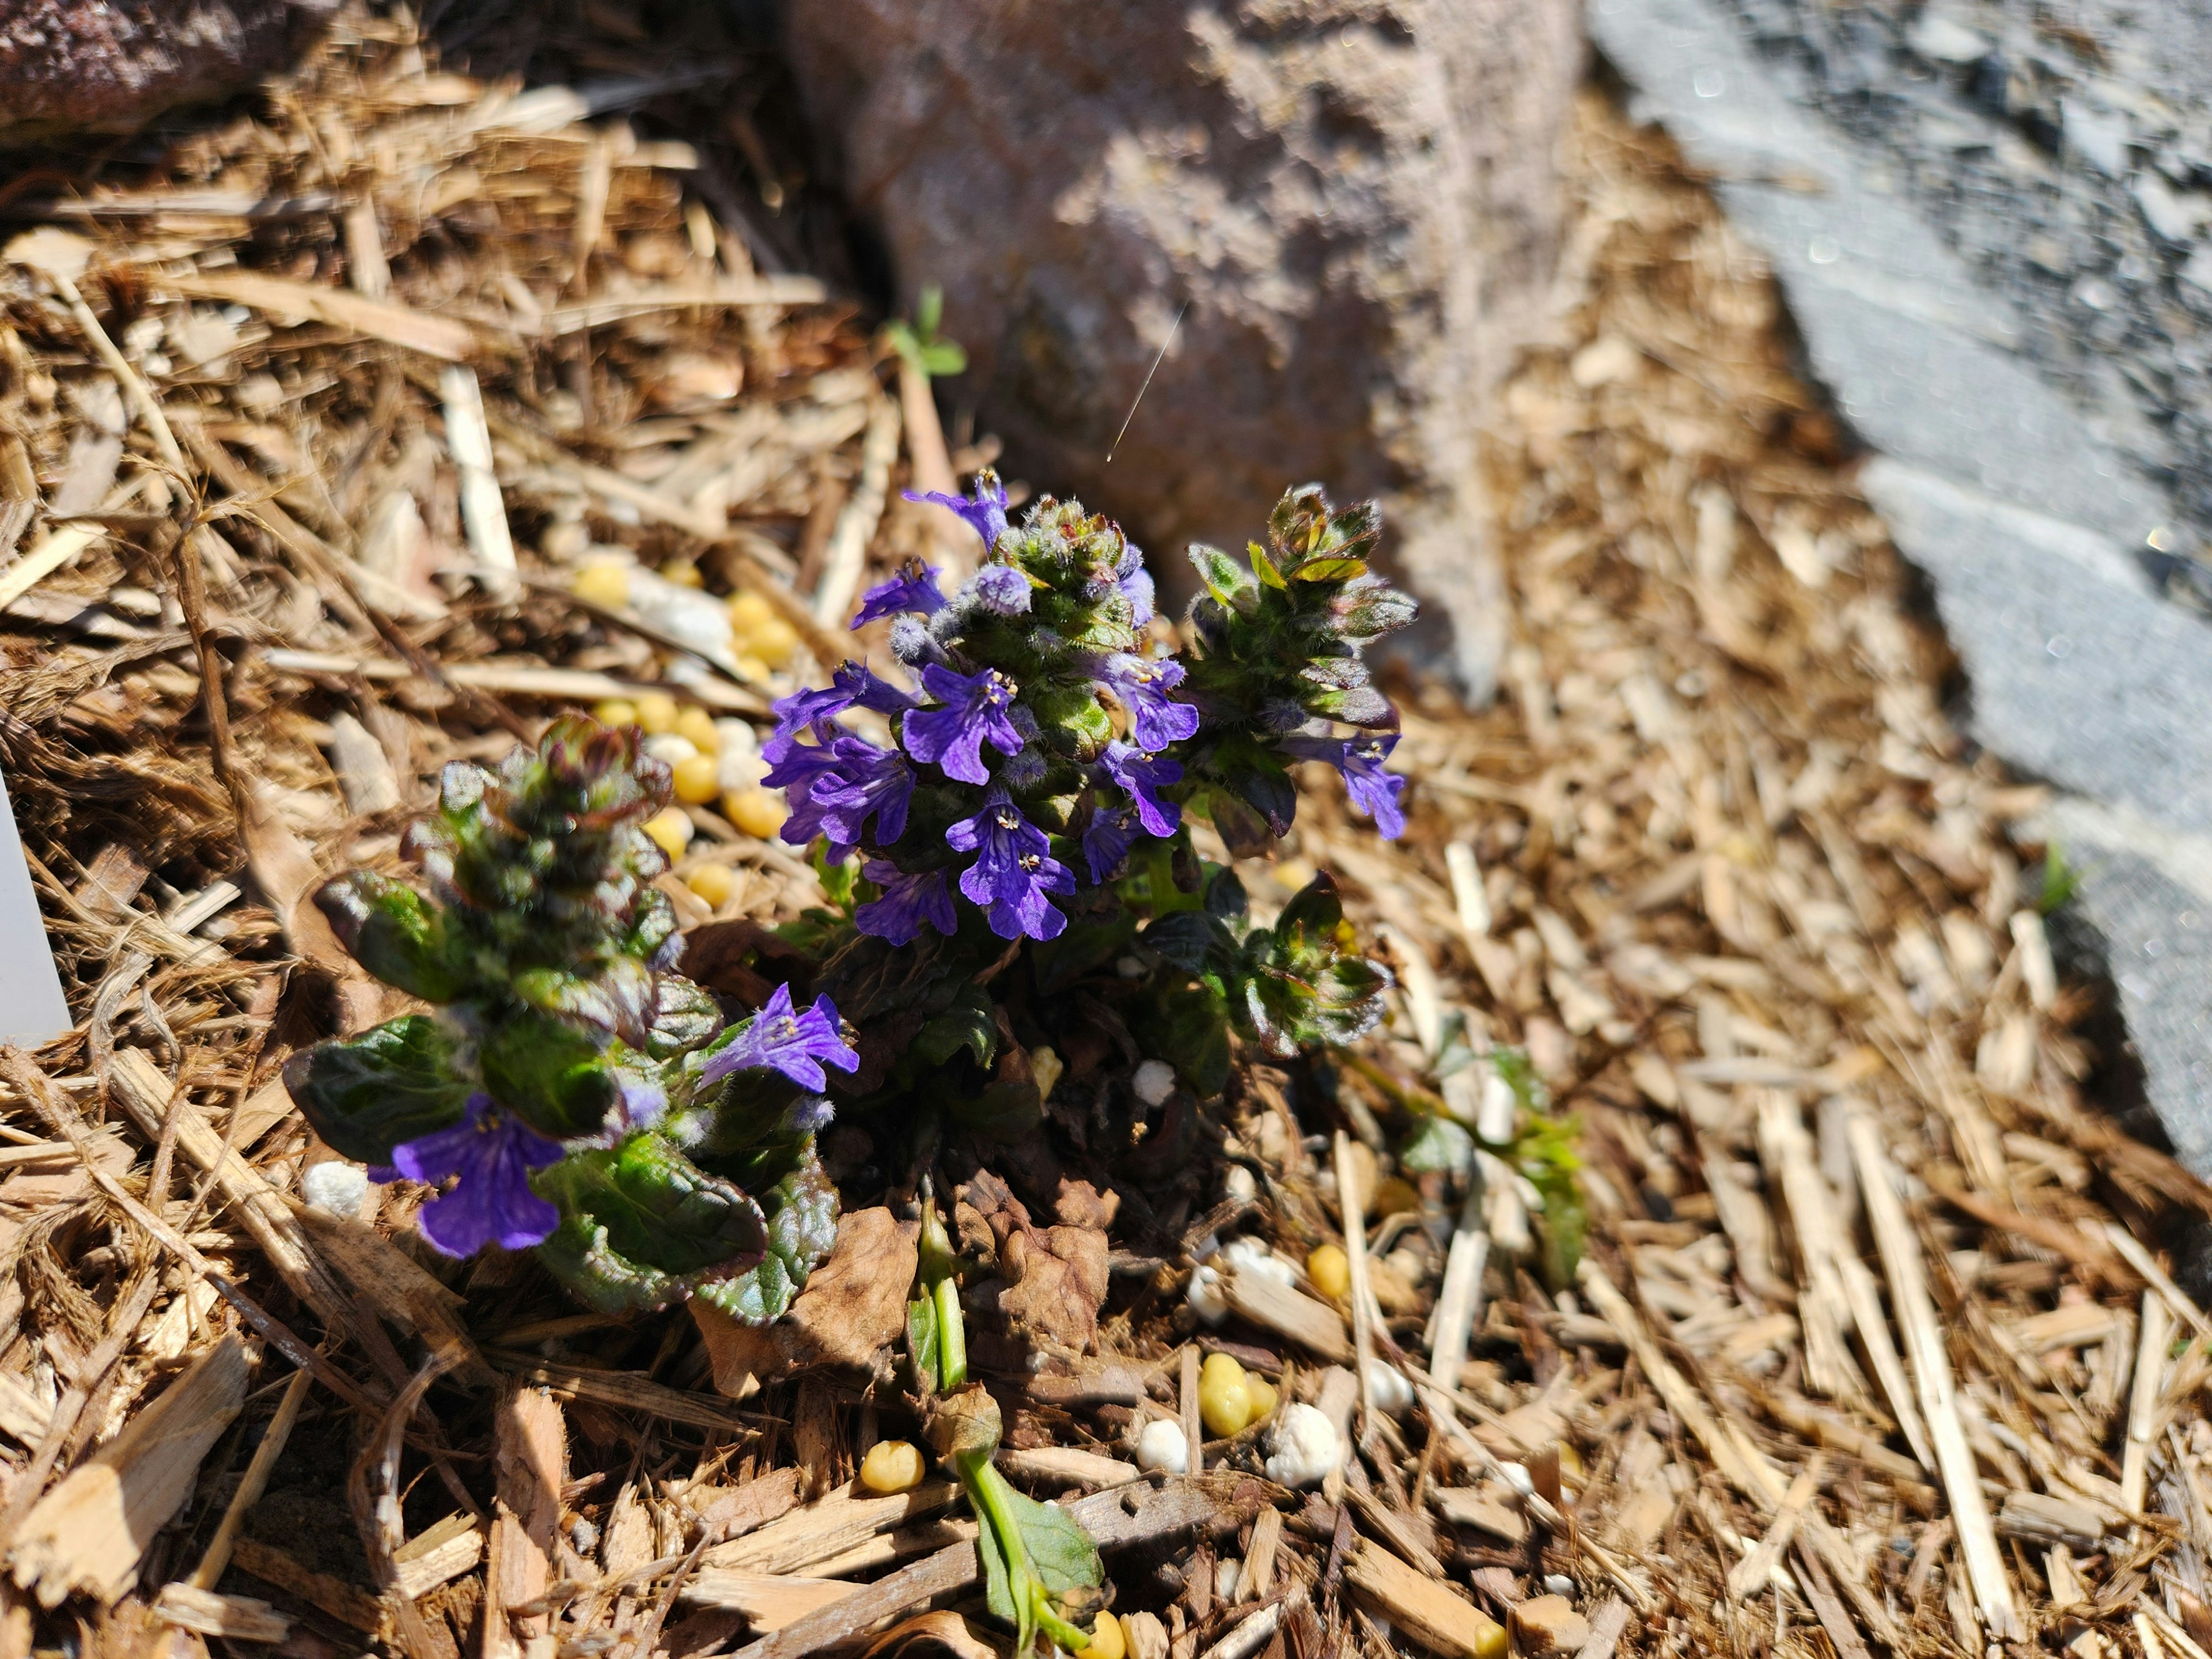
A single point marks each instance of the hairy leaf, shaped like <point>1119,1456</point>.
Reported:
<point>393,1083</point>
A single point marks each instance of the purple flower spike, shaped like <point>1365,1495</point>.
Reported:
<point>1141,686</point>
<point>1013,871</point>
<point>914,588</point>
<point>1142,776</point>
<point>1001,588</point>
<point>869,781</point>
<point>796,1045</point>
<point>986,514</point>
<point>906,903</point>
<point>1106,843</point>
<point>1373,790</point>
<point>492,1153</point>
<point>974,709</point>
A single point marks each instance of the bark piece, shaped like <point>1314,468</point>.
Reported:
<point>1547,1624</point>
<point>530,1453</point>
<point>1432,1613</point>
<point>89,1533</point>
<point>66,64</point>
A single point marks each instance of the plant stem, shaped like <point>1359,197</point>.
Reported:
<point>951,1335</point>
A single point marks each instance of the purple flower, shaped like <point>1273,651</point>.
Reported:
<point>869,781</point>
<point>492,1153</point>
<point>800,712</point>
<point>798,765</point>
<point>778,1040</point>
<point>1013,871</point>
<point>973,708</point>
<point>1142,776</point>
<point>643,1100</point>
<point>1373,790</point>
<point>986,514</point>
<point>862,688</point>
<point>907,901</point>
<point>914,588</point>
<point>1135,583</point>
<point>1106,843</point>
<point>1141,686</point>
<point>1001,588</point>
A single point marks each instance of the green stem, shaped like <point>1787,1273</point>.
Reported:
<point>987,1491</point>
<point>952,1335</point>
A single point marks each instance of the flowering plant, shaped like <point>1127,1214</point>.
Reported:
<point>1015,863</point>
<point>582,1096</point>
<point>1039,787</point>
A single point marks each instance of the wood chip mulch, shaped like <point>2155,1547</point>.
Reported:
<point>317,443</point>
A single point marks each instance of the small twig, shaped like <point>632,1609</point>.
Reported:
<point>377,1516</point>
<point>1352,1202</point>
<point>216,1557</point>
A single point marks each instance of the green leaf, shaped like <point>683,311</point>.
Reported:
<point>802,1225</point>
<point>641,1224</point>
<point>1227,580</point>
<point>395,934</point>
<point>394,1081</point>
<point>943,357</point>
<point>684,1016</point>
<point>1264,567</point>
<point>618,999</point>
<point>929,310</point>
<point>1191,940</point>
<point>837,878</point>
<point>2061,880</point>
<point>968,1023</point>
<point>1186,1027</point>
<point>923,1346</point>
<point>1438,1143</point>
<point>1330,570</point>
<point>555,1077</point>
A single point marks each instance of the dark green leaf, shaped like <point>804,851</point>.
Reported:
<point>555,1077</point>
<point>802,1225</point>
<point>968,1023</point>
<point>395,934</point>
<point>1190,938</point>
<point>641,1224</point>
<point>1186,1028</point>
<point>394,1081</point>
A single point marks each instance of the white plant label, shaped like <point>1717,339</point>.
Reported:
<point>31,1008</point>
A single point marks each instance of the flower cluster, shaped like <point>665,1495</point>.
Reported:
<point>572,1091</point>
<point>1050,735</point>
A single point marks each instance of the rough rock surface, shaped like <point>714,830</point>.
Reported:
<point>1355,199</point>
<point>107,65</point>
<point>2015,499</point>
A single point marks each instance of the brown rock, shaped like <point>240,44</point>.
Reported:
<point>1356,199</point>
<point>109,67</point>
<point>853,1307</point>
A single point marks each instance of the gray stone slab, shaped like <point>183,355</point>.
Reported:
<point>2024,519</point>
<point>2077,675</point>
